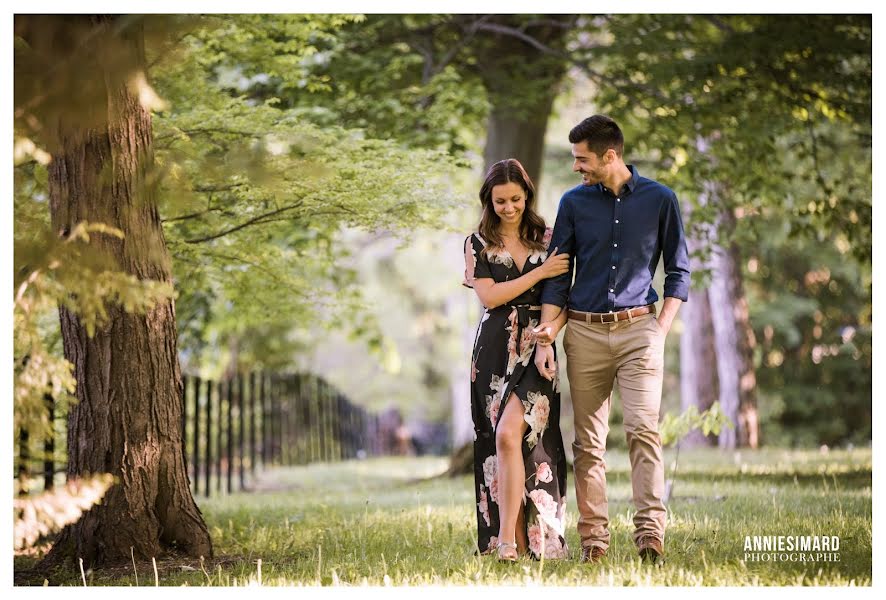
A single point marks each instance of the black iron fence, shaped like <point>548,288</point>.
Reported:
<point>232,427</point>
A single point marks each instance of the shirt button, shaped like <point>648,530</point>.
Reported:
<point>616,245</point>
<point>613,267</point>
<point>616,220</point>
<point>611,290</point>
<point>618,199</point>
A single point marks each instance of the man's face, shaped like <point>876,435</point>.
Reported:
<point>593,168</point>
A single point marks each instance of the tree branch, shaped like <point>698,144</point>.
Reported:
<point>254,221</point>
<point>569,58</point>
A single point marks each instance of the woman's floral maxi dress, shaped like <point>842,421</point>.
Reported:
<point>503,362</point>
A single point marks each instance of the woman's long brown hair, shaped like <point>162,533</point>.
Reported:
<point>532,226</point>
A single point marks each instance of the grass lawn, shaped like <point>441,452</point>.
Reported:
<point>387,521</point>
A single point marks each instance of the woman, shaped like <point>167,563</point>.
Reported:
<point>519,463</point>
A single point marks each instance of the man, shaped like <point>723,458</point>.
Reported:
<point>616,225</point>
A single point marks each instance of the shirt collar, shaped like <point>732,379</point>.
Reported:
<point>631,183</point>
<point>635,177</point>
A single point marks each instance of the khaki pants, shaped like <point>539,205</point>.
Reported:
<point>630,353</point>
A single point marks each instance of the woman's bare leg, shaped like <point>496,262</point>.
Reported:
<point>511,472</point>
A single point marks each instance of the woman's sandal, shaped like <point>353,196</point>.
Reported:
<point>507,557</point>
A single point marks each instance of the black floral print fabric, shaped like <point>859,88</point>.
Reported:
<point>503,363</point>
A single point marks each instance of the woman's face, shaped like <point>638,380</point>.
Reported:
<point>509,202</point>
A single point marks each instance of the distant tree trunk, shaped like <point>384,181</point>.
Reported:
<point>127,419</point>
<point>735,342</point>
<point>733,337</point>
<point>521,84</point>
<point>698,373</point>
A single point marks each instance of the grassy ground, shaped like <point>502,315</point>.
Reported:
<point>381,521</point>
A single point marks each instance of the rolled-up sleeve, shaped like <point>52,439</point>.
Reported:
<point>674,252</point>
<point>556,289</point>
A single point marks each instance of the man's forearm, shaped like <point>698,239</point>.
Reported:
<point>668,312</point>
<point>549,312</point>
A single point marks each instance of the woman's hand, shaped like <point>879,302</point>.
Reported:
<point>554,265</point>
<point>546,333</point>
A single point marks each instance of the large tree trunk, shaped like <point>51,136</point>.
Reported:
<point>521,79</point>
<point>735,342</point>
<point>510,136</point>
<point>127,420</point>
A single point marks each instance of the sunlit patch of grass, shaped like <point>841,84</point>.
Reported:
<point>388,521</point>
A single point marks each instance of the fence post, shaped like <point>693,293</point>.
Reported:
<point>290,420</point>
<point>277,421</point>
<point>309,390</point>
<point>252,403</point>
<point>49,445</point>
<point>207,475</point>
<point>301,412</point>
<point>376,438</point>
<point>241,430</point>
<point>230,437</point>
<point>195,453</point>
<point>338,425</point>
<point>265,420</point>
<point>220,445</point>
<point>24,456</point>
<point>321,420</point>
<point>329,422</point>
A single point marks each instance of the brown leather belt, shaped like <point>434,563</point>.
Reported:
<point>611,317</point>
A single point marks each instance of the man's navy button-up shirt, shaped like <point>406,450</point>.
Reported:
<point>614,242</point>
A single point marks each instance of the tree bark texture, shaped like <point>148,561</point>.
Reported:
<point>521,79</point>
<point>735,342</point>
<point>733,337</point>
<point>127,420</point>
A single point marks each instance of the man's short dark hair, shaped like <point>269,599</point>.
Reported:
<point>600,133</point>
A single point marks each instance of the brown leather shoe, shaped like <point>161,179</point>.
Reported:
<point>650,549</point>
<point>594,554</point>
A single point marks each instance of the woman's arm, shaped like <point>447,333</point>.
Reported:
<point>494,294</point>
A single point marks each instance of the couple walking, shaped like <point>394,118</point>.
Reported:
<point>610,232</point>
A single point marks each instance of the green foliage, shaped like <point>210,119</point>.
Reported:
<point>764,105</point>
<point>811,312</point>
<point>673,429</point>
<point>256,196</point>
<point>400,77</point>
<point>775,113</point>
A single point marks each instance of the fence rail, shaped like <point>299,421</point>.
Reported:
<point>233,426</point>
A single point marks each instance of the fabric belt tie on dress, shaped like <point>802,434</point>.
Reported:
<point>523,311</point>
<point>611,317</point>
